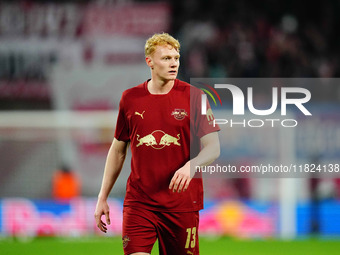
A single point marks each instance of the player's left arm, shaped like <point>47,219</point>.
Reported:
<point>210,151</point>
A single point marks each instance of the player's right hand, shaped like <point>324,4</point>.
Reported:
<point>102,208</point>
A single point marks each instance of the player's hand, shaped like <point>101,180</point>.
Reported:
<point>181,179</point>
<point>102,208</point>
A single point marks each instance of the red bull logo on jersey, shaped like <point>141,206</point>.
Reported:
<point>168,139</point>
<point>147,140</point>
<point>179,114</point>
<point>158,139</point>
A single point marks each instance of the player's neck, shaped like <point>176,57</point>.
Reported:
<point>160,87</point>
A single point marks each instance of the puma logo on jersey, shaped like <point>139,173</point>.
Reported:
<point>140,114</point>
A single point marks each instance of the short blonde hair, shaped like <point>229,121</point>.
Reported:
<point>160,39</point>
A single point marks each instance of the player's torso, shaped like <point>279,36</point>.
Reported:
<point>159,133</point>
<point>158,122</point>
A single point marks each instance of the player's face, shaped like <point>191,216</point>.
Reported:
<point>164,62</point>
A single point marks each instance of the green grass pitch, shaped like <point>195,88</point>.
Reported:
<point>208,246</point>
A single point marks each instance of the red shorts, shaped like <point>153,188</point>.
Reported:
<point>177,232</point>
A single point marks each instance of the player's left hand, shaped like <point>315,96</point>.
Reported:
<point>181,179</point>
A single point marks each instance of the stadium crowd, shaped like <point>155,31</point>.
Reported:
<point>259,39</point>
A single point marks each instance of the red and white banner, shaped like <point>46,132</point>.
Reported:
<point>24,90</point>
<point>135,20</point>
<point>53,20</point>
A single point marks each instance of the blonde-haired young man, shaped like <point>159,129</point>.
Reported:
<point>162,199</point>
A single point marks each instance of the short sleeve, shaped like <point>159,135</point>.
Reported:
<point>204,124</point>
<point>122,131</point>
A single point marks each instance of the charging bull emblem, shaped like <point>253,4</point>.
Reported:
<point>148,140</point>
<point>168,139</point>
<point>158,139</point>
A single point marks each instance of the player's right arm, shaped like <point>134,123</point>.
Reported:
<point>113,166</point>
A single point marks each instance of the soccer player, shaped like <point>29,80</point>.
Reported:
<point>162,198</point>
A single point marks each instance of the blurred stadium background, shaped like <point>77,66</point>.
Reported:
<point>64,65</point>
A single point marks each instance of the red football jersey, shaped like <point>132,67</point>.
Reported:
<point>160,129</point>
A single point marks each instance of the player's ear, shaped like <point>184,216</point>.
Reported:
<point>149,61</point>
